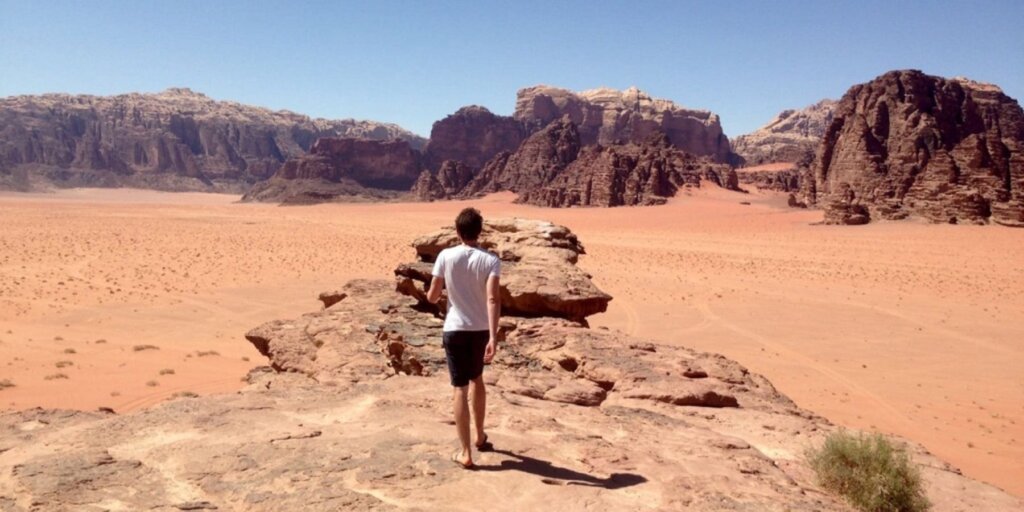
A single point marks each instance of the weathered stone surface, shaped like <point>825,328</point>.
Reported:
<point>784,180</point>
<point>449,180</point>
<point>606,116</point>
<point>906,143</point>
<point>472,136</point>
<point>542,157</point>
<point>789,137</point>
<point>626,175</point>
<point>173,140</point>
<point>539,275</point>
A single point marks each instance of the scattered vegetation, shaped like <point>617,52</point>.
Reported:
<point>70,351</point>
<point>140,348</point>
<point>6,383</point>
<point>870,472</point>
<point>167,371</point>
<point>63,364</point>
<point>152,383</point>
<point>204,353</point>
<point>184,394</point>
<point>55,376</point>
<point>100,341</point>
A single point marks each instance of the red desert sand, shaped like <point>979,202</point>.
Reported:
<point>123,298</point>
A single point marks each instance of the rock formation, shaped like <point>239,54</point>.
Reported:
<point>450,179</point>
<point>341,166</point>
<point>607,116</point>
<point>553,168</point>
<point>354,414</point>
<point>628,175</point>
<point>790,137</point>
<point>539,273</point>
<point>173,140</point>
<point>789,179</point>
<point>472,136</point>
<point>534,164</point>
<point>907,143</point>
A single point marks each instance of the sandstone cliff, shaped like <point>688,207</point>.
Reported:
<point>906,143</point>
<point>344,168</point>
<point>174,140</point>
<point>353,413</point>
<point>790,137</point>
<point>607,116</point>
<point>472,136</point>
<point>553,168</point>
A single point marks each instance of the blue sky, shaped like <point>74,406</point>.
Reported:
<point>413,62</point>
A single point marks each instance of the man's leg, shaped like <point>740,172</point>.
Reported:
<point>479,392</point>
<point>461,408</point>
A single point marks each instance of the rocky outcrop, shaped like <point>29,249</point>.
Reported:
<point>907,143</point>
<point>607,116</point>
<point>628,175</point>
<point>450,180</point>
<point>472,136</point>
<point>553,168</point>
<point>354,414</point>
<point>539,272</point>
<point>359,164</point>
<point>173,140</point>
<point>542,157</point>
<point>788,179</point>
<point>790,137</point>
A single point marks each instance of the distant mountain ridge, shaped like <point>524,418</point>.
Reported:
<point>600,147</point>
<point>176,139</point>
<point>793,135</point>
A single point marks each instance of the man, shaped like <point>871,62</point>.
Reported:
<point>471,275</point>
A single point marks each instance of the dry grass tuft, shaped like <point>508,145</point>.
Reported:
<point>869,471</point>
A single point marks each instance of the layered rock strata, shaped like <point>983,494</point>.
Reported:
<point>628,175</point>
<point>790,137</point>
<point>911,144</point>
<point>173,140</point>
<point>343,167</point>
<point>607,116</point>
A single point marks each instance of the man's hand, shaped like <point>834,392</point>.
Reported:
<point>489,351</point>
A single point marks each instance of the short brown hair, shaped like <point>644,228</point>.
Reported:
<point>469,223</point>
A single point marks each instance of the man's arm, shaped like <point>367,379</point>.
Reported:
<point>434,293</point>
<point>493,314</point>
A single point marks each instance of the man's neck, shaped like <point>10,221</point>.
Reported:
<point>471,243</point>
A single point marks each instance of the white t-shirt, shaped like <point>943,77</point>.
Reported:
<point>465,271</point>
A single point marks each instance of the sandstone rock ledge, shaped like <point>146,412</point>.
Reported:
<point>354,415</point>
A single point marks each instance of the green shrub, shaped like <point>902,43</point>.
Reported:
<point>870,472</point>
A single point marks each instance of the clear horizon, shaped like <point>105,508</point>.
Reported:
<point>414,63</point>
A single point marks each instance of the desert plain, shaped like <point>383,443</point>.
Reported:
<point>126,298</point>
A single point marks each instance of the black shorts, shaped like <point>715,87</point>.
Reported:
<point>465,353</point>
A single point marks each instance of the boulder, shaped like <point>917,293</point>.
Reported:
<point>539,275</point>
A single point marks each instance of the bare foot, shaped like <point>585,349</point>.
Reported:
<point>463,459</point>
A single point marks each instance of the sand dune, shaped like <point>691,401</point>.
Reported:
<point>908,328</point>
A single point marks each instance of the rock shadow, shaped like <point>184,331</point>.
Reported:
<point>555,475</point>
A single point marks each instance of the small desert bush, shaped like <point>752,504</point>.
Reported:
<point>167,371</point>
<point>870,472</point>
<point>140,348</point>
<point>63,364</point>
<point>204,353</point>
<point>6,383</point>
<point>55,376</point>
